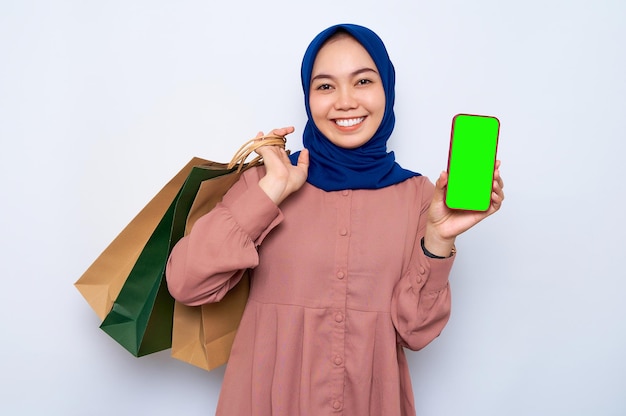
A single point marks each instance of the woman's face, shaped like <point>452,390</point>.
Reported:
<point>346,99</point>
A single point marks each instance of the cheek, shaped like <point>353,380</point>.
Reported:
<point>319,107</point>
<point>377,107</point>
<point>379,101</point>
<point>373,100</point>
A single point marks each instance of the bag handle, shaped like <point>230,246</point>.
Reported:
<point>250,146</point>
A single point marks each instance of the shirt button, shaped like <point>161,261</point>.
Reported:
<point>338,317</point>
<point>340,275</point>
<point>338,360</point>
<point>343,232</point>
<point>422,270</point>
<point>336,405</point>
<point>345,192</point>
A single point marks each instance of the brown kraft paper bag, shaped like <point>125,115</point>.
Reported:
<point>203,335</point>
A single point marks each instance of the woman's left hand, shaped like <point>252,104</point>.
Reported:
<point>445,224</point>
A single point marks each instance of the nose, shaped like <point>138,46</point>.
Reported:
<point>346,99</point>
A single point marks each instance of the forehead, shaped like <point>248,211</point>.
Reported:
<point>342,51</point>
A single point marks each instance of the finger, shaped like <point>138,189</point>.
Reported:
<point>275,150</point>
<point>498,189</point>
<point>303,159</point>
<point>442,181</point>
<point>283,131</point>
<point>497,195</point>
<point>258,136</point>
<point>266,151</point>
<point>496,200</point>
<point>498,183</point>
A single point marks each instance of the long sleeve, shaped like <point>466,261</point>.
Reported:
<point>420,304</point>
<point>211,259</point>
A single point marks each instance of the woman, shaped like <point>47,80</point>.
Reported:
<point>350,253</point>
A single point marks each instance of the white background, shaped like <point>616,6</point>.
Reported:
<point>102,102</point>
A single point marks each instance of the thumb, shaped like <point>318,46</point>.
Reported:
<point>440,187</point>
<point>303,159</point>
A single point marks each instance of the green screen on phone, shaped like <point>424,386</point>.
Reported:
<point>471,162</point>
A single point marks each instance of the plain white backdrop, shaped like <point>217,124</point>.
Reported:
<point>102,102</point>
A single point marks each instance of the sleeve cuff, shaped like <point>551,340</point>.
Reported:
<point>255,213</point>
<point>434,272</point>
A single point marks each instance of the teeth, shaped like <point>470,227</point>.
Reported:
<point>349,122</point>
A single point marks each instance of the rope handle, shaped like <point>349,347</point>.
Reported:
<point>250,146</point>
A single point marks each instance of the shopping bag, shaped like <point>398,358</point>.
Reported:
<point>101,283</point>
<point>131,270</point>
<point>203,335</point>
<point>141,317</point>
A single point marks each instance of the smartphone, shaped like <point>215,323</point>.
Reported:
<point>471,161</point>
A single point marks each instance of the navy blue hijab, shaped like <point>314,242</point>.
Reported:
<point>369,166</point>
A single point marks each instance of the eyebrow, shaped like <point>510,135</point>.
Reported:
<point>353,74</point>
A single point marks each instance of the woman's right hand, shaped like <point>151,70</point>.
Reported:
<point>282,178</point>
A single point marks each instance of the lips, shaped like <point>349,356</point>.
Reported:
<point>349,122</point>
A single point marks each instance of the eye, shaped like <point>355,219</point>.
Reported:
<point>363,81</point>
<point>323,87</point>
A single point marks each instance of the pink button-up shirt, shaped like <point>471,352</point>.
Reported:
<point>339,286</point>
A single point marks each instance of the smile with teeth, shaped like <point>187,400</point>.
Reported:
<point>349,122</point>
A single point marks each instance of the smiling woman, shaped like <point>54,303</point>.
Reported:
<point>349,254</point>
